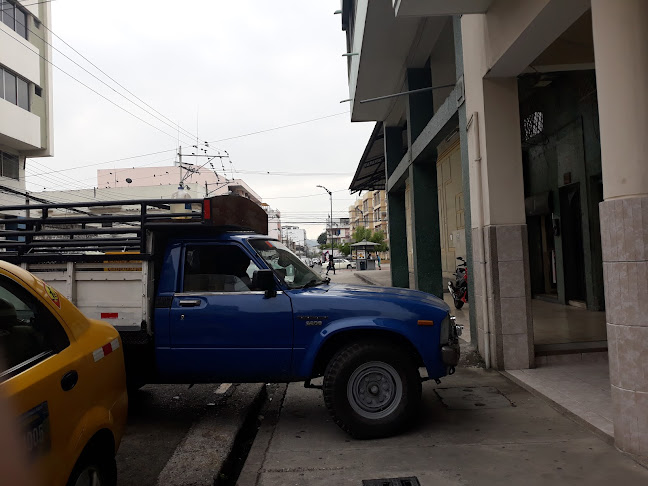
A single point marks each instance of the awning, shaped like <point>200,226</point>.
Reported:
<point>370,174</point>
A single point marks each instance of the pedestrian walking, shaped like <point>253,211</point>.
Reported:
<point>331,265</point>
<point>378,258</point>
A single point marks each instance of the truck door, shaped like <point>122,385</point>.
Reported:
<point>223,329</point>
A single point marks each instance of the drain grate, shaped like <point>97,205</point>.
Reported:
<point>413,481</point>
<point>472,398</point>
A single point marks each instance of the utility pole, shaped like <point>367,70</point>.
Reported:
<point>331,198</point>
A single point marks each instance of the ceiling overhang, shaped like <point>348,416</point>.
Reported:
<point>426,8</point>
<point>370,174</point>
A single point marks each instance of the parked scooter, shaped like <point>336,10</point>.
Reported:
<point>459,289</point>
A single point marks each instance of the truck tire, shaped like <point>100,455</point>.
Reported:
<point>372,389</point>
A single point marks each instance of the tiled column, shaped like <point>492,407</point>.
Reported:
<point>396,209</point>
<point>621,53</point>
<point>423,191</point>
<point>502,300</point>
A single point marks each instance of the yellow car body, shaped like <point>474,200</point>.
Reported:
<point>70,401</point>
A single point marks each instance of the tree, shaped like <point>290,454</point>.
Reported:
<point>321,239</point>
<point>379,237</point>
<point>361,233</point>
<point>345,249</point>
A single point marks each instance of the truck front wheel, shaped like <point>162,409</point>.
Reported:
<point>372,389</point>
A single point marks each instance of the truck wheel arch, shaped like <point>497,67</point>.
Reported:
<point>342,338</point>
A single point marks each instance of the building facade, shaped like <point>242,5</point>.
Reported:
<point>370,211</point>
<point>340,231</point>
<point>294,237</point>
<point>26,121</point>
<point>547,100</point>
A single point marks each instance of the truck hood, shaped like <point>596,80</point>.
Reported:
<point>337,301</point>
<point>383,293</point>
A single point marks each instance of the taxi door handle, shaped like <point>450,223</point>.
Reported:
<point>69,380</point>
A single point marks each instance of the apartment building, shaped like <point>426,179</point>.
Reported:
<point>26,120</point>
<point>370,211</point>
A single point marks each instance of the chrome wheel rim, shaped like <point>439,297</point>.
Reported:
<point>374,390</point>
<point>88,477</point>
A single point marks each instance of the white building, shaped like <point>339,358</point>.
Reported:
<point>293,236</point>
<point>274,221</point>
<point>25,92</point>
<point>131,191</point>
<point>201,182</point>
<point>340,232</point>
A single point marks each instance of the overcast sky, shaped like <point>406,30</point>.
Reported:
<point>223,68</point>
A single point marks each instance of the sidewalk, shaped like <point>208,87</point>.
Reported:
<point>489,431</point>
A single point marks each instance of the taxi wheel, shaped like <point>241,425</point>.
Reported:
<point>93,470</point>
<point>372,389</point>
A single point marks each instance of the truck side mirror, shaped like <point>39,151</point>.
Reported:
<point>264,280</point>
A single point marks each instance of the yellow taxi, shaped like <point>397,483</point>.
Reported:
<point>64,379</point>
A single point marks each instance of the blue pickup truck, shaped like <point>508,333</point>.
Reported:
<point>207,297</point>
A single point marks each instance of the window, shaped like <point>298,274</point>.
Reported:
<point>23,93</point>
<point>9,166</point>
<point>14,17</point>
<point>14,89</point>
<point>21,23</point>
<point>217,268</point>
<point>376,215</point>
<point>29,332</point>
<point>10,87</point>
<point>376,198</point>
<point>286,265</point>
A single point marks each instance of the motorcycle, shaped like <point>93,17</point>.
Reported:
<point>459,289</point>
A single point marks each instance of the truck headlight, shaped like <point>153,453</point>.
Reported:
<point>445,330</point>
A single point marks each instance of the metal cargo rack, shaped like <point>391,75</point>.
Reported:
<point>87,232</point>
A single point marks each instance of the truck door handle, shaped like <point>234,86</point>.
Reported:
<point>69,380</point>
<point>189,303</point>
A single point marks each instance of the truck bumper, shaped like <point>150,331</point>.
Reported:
<point>450,354</point>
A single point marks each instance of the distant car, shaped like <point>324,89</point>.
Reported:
<point>63,375</point>
<point>315,261</point>
<point>341,263</point>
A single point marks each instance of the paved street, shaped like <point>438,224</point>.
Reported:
<point>476,428</point>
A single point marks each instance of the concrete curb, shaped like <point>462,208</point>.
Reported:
<point>366,279</point>
<point>560,408</point>
<point>256,458</point>
<point>200,457</point>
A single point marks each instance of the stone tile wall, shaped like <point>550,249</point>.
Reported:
<point>624,237</point>
<point>508,295</point>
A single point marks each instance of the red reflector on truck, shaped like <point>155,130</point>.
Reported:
<point>206,209</point>
<point>109,315</point>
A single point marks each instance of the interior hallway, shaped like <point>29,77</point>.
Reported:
<point>555,323</point>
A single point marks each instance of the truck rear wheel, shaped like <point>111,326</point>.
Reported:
<point>372,389</point>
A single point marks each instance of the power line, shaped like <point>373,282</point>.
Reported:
<point>88,87</point>
<point>171,125</point>
<point>105,162</point>
<point>116,82</point>
<point>280,127</point>
<point>172,150</point>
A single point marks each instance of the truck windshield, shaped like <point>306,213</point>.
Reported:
<point>286,264</point>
